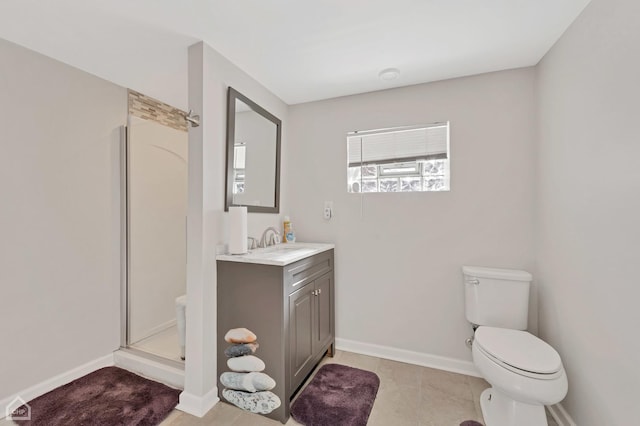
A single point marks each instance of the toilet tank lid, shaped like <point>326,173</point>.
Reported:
<point>496,273</point>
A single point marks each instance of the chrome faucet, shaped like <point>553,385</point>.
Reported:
<point>274,238</point>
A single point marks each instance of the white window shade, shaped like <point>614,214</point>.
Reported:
<point>239,156</point>
<point>385,146</point>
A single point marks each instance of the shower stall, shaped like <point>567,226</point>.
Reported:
<point>155,160</point>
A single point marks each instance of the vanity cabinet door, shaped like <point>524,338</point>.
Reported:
<point>310,325</point>
<point>301,320</point>
<point>323,327</point>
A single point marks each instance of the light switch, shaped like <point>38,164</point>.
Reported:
<point>327,213</point>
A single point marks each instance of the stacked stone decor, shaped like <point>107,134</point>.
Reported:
<point>246,386</point>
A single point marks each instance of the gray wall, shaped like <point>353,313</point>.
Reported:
<point>59,220</point>
<point>588,208</point>
<point>398,266</point>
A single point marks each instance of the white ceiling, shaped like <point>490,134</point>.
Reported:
<point>301,50</point>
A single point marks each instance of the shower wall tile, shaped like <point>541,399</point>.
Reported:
<point>147,108</point>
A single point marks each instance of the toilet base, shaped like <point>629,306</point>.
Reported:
<point>500,410</point>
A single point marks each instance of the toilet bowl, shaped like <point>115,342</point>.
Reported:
<point>181,322</point>
<point>525,373</point>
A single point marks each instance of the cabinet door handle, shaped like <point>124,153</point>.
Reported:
<point>319,290</point>
<point>314,293</point>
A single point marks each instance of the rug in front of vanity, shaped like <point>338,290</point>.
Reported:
<point>337,396</point>
<point>109,396</point>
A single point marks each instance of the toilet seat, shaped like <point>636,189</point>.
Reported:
<point>519,351</point>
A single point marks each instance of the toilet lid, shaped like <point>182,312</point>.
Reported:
<point>519,349</point>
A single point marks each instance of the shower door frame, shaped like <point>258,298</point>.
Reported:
<point>125,255</point>
<point>124,236</point>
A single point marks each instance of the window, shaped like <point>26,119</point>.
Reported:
<point>239,159</point>
<point>402,159</point>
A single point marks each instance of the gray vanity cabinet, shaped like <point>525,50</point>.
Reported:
<point>291,310</point>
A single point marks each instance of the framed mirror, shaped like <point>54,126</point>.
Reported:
<point>253,155</point>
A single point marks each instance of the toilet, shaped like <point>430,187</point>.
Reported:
<point>525,372</point>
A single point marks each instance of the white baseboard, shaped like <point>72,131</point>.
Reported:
<point>410,357</point>
<point>146,366</point>
<point>198,405</point>
<point>560,415</point>
<point>57,381</point>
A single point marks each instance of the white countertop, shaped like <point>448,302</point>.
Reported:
<point>278,255</point>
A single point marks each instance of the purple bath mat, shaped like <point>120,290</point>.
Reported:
<point>106,397</point>
<point>337,396</point>
<point>470,423</point>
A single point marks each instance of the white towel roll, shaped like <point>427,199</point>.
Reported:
<point>238,230</point>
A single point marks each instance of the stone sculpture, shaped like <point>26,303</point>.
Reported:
<point>246,386</point>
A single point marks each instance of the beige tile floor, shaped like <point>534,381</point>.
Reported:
<point>408,395</point>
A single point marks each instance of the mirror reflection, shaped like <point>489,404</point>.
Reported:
<point>253,156</point>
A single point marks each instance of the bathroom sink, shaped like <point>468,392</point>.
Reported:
<point>279,254</point>
<point>281,247</point>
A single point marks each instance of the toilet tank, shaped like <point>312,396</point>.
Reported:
<point>496,297</point>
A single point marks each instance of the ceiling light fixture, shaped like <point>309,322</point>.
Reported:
<point>389,74</point>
